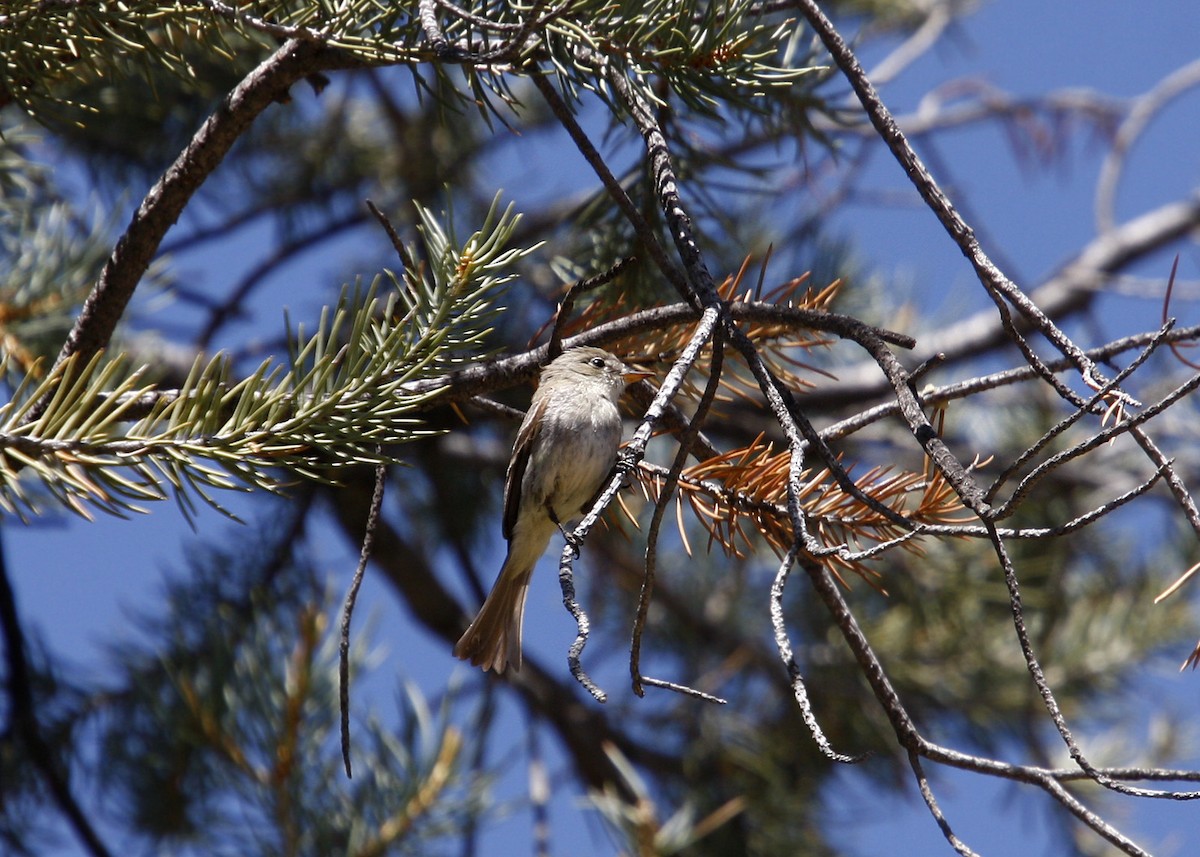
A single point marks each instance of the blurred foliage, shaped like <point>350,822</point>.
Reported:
<point>51,249</point>
<point>217,731</point>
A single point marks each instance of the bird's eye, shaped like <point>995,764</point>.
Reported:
<point>598,362</point>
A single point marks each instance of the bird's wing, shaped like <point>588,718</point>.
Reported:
<point>526,438</point>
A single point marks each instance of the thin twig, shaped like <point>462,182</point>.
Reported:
<point>914,760</point>
<point>885,693</point>
<point>1078,413</point>
<point>996,283</point>
<point>360,571</point>
<point>668,491</point>
<point>583,625</point>
<point>1130,425</point>
<point>1050,780</point>
<point>262,25</point>
<point>1048,699</point>
<point>701,287</point>
<point>995,380</point>
<point>581,287</point>
<point>683,689</point>
<point>646,233</point>
<point>795,676</point>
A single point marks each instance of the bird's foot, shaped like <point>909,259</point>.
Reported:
<point>627,459</point>
<point>567,535</point>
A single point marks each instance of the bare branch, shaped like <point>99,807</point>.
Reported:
<point>368,542</point>
<point>667,491</point>
<point>632,454</point>
<point>1143,111</point>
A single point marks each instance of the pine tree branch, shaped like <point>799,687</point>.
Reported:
<point>164,204</point>
<point>337,401</point>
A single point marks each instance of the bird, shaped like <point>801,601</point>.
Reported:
<point>564,451</point>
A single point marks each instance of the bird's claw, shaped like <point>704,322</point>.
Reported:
<point>627,460</point>
<point>567,535</point>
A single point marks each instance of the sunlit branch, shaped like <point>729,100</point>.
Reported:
<point>666,492</point>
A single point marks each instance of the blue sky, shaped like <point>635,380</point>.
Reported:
<point>77,582</point>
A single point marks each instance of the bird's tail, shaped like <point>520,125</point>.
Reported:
<point>493,641</point>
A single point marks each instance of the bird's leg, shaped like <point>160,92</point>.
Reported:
<point>570,538</point>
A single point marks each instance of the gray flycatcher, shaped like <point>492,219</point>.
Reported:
<point>565,449</point>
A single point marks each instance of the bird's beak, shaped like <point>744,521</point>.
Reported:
<point>636,375</point>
